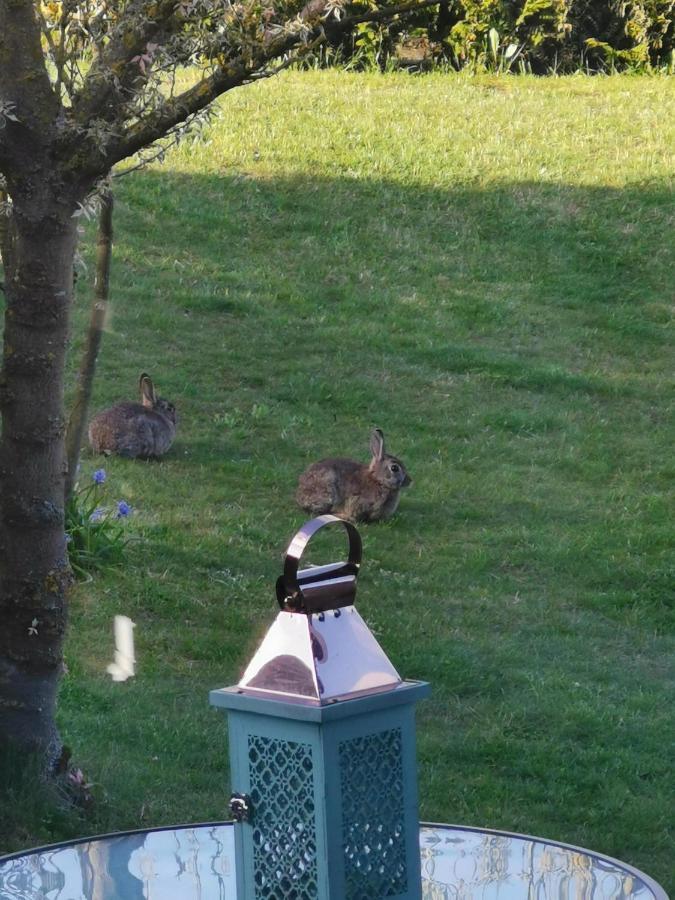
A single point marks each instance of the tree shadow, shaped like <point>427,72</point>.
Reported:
<point>510,340</point>
<point>510,261</point>
<point>542,289</point>
<point>527,322</point>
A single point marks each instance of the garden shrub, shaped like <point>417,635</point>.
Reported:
<point>540,36</point>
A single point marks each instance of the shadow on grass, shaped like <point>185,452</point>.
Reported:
<point>527,322</point>
<point>32,804</point>
<point>509,260</point>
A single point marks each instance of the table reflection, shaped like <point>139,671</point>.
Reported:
<point>458,864</point>
<point>173,864</point>
<point>197,863</point>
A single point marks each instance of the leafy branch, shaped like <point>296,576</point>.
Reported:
<point>253,65</point>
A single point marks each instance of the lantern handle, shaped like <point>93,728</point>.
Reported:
<point>289,585</point>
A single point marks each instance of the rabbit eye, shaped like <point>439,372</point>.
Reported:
<point>395,467</point>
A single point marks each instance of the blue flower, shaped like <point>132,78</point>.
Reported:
<point>98,514</point>
<point>99,476</point>
<point>123,509</point>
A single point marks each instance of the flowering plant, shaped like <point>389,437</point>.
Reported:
<point>95,533</point>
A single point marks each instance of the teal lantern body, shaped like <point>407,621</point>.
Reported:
<point>322,750</point>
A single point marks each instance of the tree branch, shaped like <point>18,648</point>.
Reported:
<point>24,82</point>
<point>99,309</point>
<point>381,15</point>
<point>4,233</point>
<point>46,33</point>
<point>112,72</point>
<point>237,73</point>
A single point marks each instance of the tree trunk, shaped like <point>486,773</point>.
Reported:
<point>85,378</point>
<point>34,571</point>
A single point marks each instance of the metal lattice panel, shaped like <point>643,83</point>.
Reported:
<point>371,776</point>
<point>284,830</point>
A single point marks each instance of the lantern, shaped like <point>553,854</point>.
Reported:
<point>322,747</point>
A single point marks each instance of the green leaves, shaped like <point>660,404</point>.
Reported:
<point>548,36</point>
<point>493,40</point>
<point>95,534</point>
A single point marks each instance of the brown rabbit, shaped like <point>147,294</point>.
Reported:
<point>136,430</point>
<point>352,490</point>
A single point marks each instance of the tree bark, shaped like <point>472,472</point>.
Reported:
<point>34,571</point>
<point>85,378</point>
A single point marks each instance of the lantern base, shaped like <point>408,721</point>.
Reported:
<point>329,795</point>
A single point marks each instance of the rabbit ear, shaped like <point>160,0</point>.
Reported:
<point>377,444</point>
<point>148,396</point>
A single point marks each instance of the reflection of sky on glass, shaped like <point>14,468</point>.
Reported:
<point>182,864</point>
<point>186,864</point>
<point>198,864</point>
<point>463,864</point>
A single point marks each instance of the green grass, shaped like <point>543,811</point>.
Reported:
<point>483,268</point>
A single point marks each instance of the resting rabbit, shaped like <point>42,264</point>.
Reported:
<point>352,490</point>
<point>136,430</point>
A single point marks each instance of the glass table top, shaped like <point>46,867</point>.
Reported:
<point>197,863</point>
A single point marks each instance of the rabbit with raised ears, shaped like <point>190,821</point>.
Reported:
<point>353,490</point>
<point>142,430</point>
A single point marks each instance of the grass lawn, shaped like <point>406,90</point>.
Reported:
<point>483,268</point>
